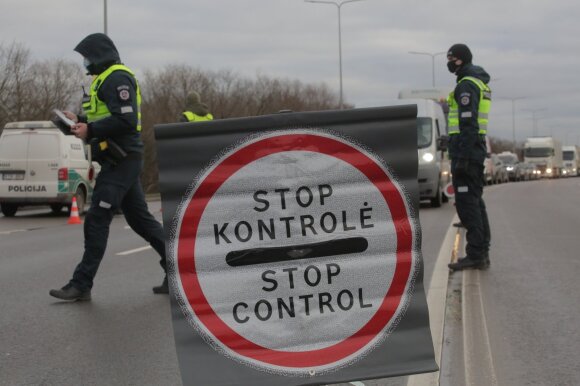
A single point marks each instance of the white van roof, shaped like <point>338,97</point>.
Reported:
<point>435,94</point>
<point>30,125</point>
<point>425,107</point>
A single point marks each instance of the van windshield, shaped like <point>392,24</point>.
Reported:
<point>568,155</point>
<point>538,152</point>
<point>424,132</point>
<point>508,159</point>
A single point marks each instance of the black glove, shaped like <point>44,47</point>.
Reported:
<point>461,167</point>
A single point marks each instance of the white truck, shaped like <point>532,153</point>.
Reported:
<point>434,169</point>
<point>571,160</point>
<point>39,165</point>
<point>546,154</point>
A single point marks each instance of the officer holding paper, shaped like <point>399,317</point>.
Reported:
<point>113,127</point>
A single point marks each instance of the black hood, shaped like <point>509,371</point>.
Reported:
<point>100,50</point>
<point>474,71</point>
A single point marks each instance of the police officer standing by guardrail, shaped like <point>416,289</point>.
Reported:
<point>469,106</point>
<point>113,127</point>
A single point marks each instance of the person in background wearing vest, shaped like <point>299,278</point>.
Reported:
<point>113,127</point>
<point>195,111</point>
<point>469,106</point>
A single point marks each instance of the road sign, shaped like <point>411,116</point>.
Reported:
<point>294,252</point>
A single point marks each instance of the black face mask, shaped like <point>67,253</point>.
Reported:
<point>452,67</point>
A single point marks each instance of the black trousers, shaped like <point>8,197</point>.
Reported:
<point>116,187</point>
<point>471,208</point>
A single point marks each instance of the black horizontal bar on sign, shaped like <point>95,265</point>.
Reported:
<point>296,252</point>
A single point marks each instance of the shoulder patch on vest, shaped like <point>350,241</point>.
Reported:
<point>124,95</point>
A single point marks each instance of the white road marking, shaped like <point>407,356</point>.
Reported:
<point>357,383</point>
<point>12,231</point>
<point>479,369</point>
<point>436,302</point>
<point>136,250</point>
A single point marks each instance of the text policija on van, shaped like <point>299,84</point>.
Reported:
<point>306,226</point>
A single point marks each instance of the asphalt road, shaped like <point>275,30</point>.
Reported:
<point>124,336</point>
<point>531,293</point>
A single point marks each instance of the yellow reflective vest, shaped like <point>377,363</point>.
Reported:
<point>482,111</point>
<point>96,109</point>
<point>191,117</point>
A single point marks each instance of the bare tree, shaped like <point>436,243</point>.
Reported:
<point>14,64</point>
<point>227,94</point>
<point>56,84</point>
<point>29,91</point>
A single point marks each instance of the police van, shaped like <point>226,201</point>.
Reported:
<point>40,165</point>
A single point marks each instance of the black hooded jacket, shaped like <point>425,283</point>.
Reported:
<point>468,144</point>
<point>121,126</point>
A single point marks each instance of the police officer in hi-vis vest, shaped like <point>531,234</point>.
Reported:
<point>112,126</point>
<point>469,106</point>
<point>195,110</point>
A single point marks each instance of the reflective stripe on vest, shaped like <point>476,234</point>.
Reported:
<point>95,108</point>
<point>482,111</point>
<point>191,117</point>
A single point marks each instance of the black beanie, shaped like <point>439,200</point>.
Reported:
<point>460,51</point>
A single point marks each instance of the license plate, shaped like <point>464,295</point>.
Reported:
<point>12,176</point>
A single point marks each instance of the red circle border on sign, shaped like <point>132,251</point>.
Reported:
<point>224,170</point>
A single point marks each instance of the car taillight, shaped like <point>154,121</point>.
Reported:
<point>91,173</point>
<point>63,174</point>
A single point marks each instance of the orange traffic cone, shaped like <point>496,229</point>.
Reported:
<point>74,213</point>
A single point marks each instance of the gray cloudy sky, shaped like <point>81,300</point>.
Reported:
<point>529,47</point>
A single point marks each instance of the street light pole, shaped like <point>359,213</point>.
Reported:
<point>105,15</point>
<point>432,55</point>
<point>514,119</point>
<point>535,119</point>
<point>338,7</point>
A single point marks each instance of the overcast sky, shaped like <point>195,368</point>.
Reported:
<point>530,48</point>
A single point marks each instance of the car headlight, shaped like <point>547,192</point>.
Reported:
<point>549,171</point>
<point>428,157</point>
<point>510,168</point>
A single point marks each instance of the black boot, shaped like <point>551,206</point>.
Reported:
<point>467,263</point>
<point>163,288</point>
<point>68,292</point>
<point>486,261</point>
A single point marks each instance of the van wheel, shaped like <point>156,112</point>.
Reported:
<point>56,208</point>
<point>436,201</point>
<point>9,210</point>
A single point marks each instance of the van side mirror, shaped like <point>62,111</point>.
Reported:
<point>443,143</point>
